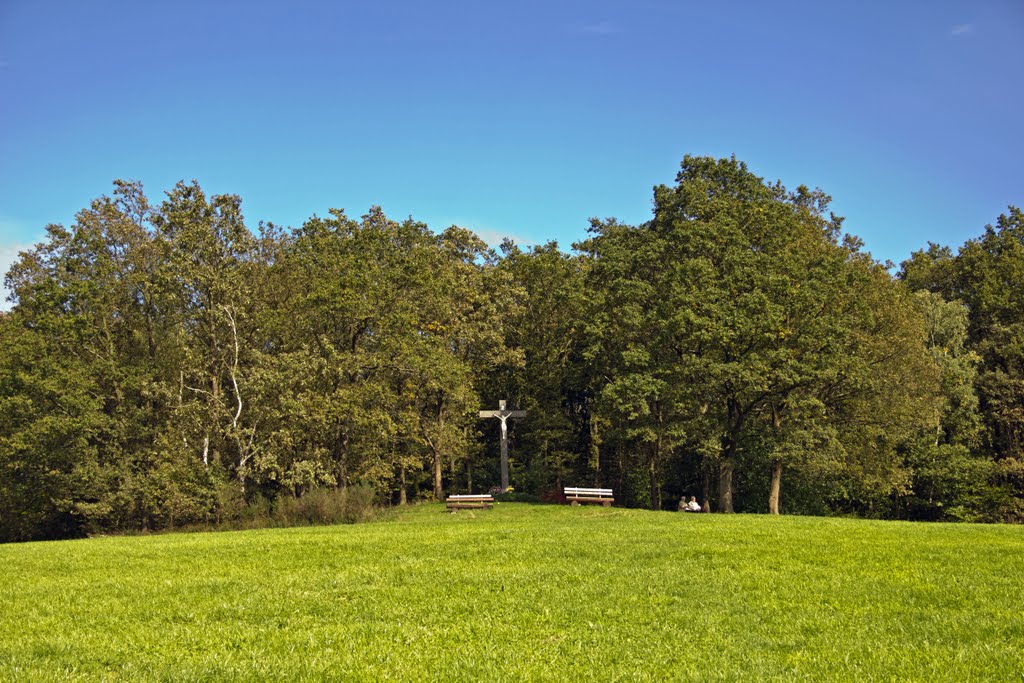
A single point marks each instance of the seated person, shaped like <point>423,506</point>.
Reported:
<point>692,506</point>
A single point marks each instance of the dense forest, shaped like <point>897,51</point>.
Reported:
<point>168,365</point>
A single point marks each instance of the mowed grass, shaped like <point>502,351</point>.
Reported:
<point>523,592</point>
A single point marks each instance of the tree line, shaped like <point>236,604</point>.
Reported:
<point>166,365</point>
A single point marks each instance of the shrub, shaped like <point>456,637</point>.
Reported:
<point>511,496</point>
<point>348,505</point>
<point>552,496</point>
<point>230,502</point>
<point>255,515</point>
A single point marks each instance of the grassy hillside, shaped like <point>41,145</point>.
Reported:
<point>524,592</point>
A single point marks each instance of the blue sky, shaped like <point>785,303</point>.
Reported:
<point>520,119</point>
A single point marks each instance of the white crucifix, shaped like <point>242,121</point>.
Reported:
<point>502,414</point>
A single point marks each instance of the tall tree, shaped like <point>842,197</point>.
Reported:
<point>951,473</point>
<point>210,267</point>
<point>729,283</point>
<point>987,275</point>
<point>551,383</point>
<point>643,376</point>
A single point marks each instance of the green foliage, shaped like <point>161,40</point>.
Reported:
<point>547,382</point>
<point>523,592</point>
<point>349,505</point>
<point>515,497</point>
<point>166,366</point>
<point>736,317</point>
<point>983,382</point>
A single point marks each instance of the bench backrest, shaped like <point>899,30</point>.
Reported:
<point>576,491</point>
<point>470,496</point>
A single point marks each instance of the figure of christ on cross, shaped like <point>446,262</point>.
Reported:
<point>502,414</point>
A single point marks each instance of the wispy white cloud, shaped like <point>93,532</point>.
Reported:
<point>15,237</point>
<point>8,255</point>
<point>495,237</point>
<point>961,29</point>
<point>601,28</point>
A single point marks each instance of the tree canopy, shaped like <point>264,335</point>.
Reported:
<point>168,364</point>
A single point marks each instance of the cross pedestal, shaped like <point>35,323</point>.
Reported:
<point>502,414</point>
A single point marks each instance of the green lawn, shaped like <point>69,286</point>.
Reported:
<point>524,592</point>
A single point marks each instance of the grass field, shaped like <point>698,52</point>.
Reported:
<point>524,592</point>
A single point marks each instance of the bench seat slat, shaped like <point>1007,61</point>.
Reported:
<point>578,494</point>
<point>470,501</point>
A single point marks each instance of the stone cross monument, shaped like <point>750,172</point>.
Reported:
<point>502,414</point>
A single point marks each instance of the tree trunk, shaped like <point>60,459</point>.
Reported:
<point>776,487</point>
<point>655,503</point>
<point>343,462</point>
<point>438,490</point>
<point>402,495</point>
<point>728,463</point>
<point>655,484</point>
<point>595,451</point>
<point>725,470</point>
<point>452,474</point>
<point>619,457</point>
<point>706,489</point>
<point>469,464</point>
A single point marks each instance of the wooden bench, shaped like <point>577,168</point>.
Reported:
<point>470,501</point>
<point>575,495</point>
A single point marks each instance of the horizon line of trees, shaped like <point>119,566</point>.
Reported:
<point>164,365</point>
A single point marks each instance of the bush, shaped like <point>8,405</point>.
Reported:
<point>511,496</point>
<point>230,502</point>
<point>349,505</point>
<point>255,515</point>
<point>553,496</point>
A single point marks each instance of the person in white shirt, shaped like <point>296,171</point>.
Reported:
<point>692,506</point>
